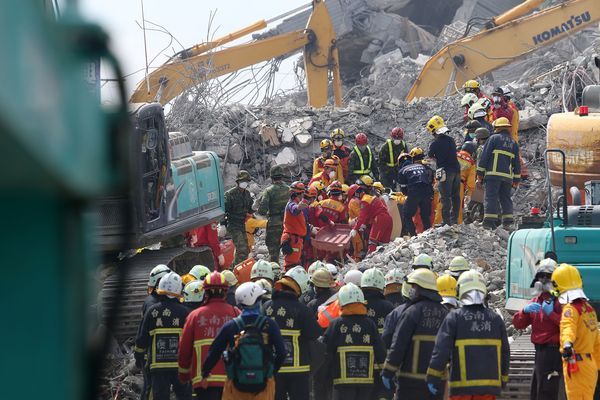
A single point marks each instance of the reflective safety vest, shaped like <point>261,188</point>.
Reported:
<point>393,161</point>
<point>328,312</point>
<point>363,170</point>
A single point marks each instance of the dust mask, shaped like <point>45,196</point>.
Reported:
<point>243,185</point>
<point>396,141</point>
<point>332,175</point>
<point>338,143</point>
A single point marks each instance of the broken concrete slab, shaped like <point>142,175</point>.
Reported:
<point>287,157</point>
<point>530,118</point>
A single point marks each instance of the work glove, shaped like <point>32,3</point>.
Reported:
<point>353,233</point>
<point>385,198</point>
<point>314,230</point>
<point>221,231</point>
<point>515,184</point>
<point>547,307</point>
<point>567,351</point>
<point>221,259</point>
<point>331,223</point>
<point>532,308</point>
<point>432,389</point>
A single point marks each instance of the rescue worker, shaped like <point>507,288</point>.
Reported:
<point>272,205</point>
<point>354,343</point>
<point>353,205</point>
<point>310,215</point>
<point>328,174</point>
<point>466,102</point>
<point>299,328</point>
<point>330,310</point>
<point>372,284</point>
<point>416,182</point>
<point>232,281</point>
<point>478,113</point>
<point>468,174</point>
<point>153,280</point>
<point>388,155</point>
<point>341,150</point>
<point>389,327</point>
<point>500,107</point>
<point>458,265</point>
<point>514,131</point>
<point>579,339</point>
<point>362,160</point>
<point>410,351</point>
<point>238,203</point>
<point>247,297</point>
<point>327,154</point>
<point>481,136</point>
<point>265,285</point>
<point>470,129</point>
<point>295,227</point>
<point>262,269</point>
<point>393,287</point>
<point>207,235</point>
<point>162,323</point>
<point>276,271</point>
<point>333,207</point>
<point>193,295</point>
<point>443,150</point>
<point>446,286</point>
<point>543,314</point>
<point>373,212</point>
<point>310,293</point>
<point>478,335</point>
<point>323,284</point>
<point>200,328</point>
<point>499,169</point>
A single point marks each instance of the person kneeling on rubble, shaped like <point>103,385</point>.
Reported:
<point>473,340</point>
<point>353,346</point>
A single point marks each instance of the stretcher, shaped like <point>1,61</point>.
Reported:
<point>333,239</point>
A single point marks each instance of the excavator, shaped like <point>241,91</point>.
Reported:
<point>506,38</point>
<point>177,189</point>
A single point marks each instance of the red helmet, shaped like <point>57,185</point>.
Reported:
<point>311,192</point>
<point>297,187</point>
<point>360,139</point>
<point>352,190</point>
<point>215,281</point>
<point>397,133</point>
<point>330,163</point>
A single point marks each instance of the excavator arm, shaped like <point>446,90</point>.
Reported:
<point>320,56</point>
<point>475,56</point>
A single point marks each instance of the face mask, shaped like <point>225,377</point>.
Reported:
<point>537,288</point>
<point>396,141</point>
<point>471,135</point>
<point>412,293</point>
<point>362,148</point>
<point>338,143</point>
<point>243,185</point>
<point>332,175</point>
<point>320,197</point>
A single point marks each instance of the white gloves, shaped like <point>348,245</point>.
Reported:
<point>385,198</point>
<point>221,259</point>
<point>314,230</point>
<point>353,233</point>
<point>221,231</point>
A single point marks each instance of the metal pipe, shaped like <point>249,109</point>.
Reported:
<point>516,12</point>
<point>550,211</point>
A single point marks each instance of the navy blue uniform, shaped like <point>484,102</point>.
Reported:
<point>416,182</point>
<point>443,150</point>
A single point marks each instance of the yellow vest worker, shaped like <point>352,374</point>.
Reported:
<point>252,226</point>
<point>579,338</point>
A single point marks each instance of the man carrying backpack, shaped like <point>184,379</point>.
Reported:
<point>299,330</point>
<point>250,340</point>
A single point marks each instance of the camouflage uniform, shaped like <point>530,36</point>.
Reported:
<point>272,204</point>
<point>238,203</point>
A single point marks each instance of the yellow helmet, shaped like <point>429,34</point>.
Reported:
<point>417,152</point>
<point>337,133</point>
<point>365,180</point>
<point>437,125</point>
<point>345,188</point>
<point>318,185</point>
<point>446,286</point>
<point>566,277</point>
<point>471,280</point>
<point>471,84</point>
<point>423,278</point>
<point>405,289</point>
<point>325,143</point>
<point>459,264</point>
<point>379,186</point>
<point>502,122</point>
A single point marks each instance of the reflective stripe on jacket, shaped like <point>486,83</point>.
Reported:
<point>363,170</point>
<point>500,158</point>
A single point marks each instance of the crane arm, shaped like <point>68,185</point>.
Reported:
<point>320,56</point>
<point>488,50</point>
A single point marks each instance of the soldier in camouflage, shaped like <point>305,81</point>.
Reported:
<point>272,204</point>
<point>238,204</point>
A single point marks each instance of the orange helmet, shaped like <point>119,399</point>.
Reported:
<point>352,190</point>
<point>297,187</point>
<point>334,186</point>
<point>311,192</point>
<point>215,281</point>
<point>330,163</point>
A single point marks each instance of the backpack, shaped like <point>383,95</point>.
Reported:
<point>250,363</point>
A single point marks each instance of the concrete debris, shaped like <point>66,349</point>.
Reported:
<point>286,157</point>
<point>531,118</point>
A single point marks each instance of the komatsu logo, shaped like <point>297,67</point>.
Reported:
<point>566,26</point>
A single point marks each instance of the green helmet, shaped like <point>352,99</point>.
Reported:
<point>459,264</point>
<point>422,261</point>
<point>372,278</point>
<point>199,272</point>
<point>276,172</point>
<point>262,269</point>
<point>193,292</point>
<point>243,176</point>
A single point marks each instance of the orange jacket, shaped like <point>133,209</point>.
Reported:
<point>334,210</point>
<point>468,171</point>
<point>330,312</point>
<point>294,222</point>
<point>319,164</point>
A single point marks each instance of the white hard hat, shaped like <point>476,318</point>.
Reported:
<point>193,292</point>
<point>353,276</point>
<point>333,270</point>
<point>422,260</point>
<point>372,278</point>
<point>315,266</point>
<point>170,285</point>
<point>394,275</point>
<point>350,293</point>
<point>157,272</point>
<point>300,276</point>
<point>262,269</point>
<point>248,293</point>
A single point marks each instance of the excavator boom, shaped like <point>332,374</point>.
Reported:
<point>199,64</point>
<point>488,50</point>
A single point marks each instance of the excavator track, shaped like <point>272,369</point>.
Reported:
<point>179,259</point>
<point>522,359</point>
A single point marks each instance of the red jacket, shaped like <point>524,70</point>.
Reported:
<point>545,329</point>
<point>293,220</point>
<point>503,111</point>
<point>370,208</point>
<point>199,330</point>
<point>205,236</point>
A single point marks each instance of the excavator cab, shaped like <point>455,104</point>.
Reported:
<point>571,234</point>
